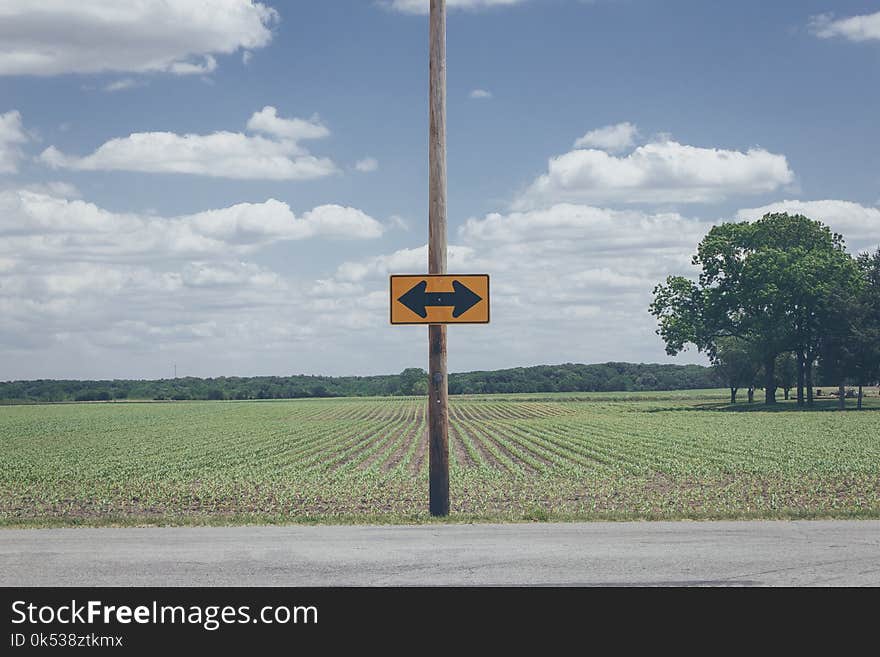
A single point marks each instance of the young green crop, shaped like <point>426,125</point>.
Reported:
<point>512,457</point>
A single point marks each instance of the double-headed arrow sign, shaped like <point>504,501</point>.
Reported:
<point>418,299</point>
<point>440,299</point>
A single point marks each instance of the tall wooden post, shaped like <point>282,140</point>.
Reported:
<point>438,392</point>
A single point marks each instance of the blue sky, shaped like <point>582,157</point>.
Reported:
<point>229,190</point>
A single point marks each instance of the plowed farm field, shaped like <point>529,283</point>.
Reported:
<point>365,460</point>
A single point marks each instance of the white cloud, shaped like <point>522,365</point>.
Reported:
<point>246,57</point>
<point>63,311</point>
<point>342,223</point>
<point>97,293</point>
<point>422,6</point>
<point>228,274</point>
<point>220,154</point>
<point>52,37</point>
<point>54,188</point>
<point>480,94</point>
<point>80,285</point>
<point>121,85</point>
<point>859,224</point>
<point>268,122</point>
<point>40,226</point>
<point>582,226</point>
<point>658,172</point>
<point>367,165</point>
<point>581,312</point>
<point>11,134</point>
<point>201,66</point>
<point>611,138</point>
<point>853,28</point>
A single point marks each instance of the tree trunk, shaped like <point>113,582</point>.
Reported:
<point>733,394</point>
<point>841,396</point>
<point>751,394</point>
<point>860,397</point>
<point>800,377</point>
<point>809,380</point>
<point>786,390</point>
<point>770,380</point>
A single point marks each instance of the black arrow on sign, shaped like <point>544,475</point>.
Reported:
<point>418,299</point>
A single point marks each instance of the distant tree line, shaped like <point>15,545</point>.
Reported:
<point>779,303</point>
<point>412,381</point>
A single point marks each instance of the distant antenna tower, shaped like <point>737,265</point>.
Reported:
<point>175,370</point>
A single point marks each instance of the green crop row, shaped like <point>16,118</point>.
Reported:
<point>662,456</point>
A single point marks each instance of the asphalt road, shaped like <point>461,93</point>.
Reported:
<point>808,553</point>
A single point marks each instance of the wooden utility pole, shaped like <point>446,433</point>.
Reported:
<point>438,391</point>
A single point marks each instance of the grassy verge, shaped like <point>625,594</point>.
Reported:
<point>537,515</point>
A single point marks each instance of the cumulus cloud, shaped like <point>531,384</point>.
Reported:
<point>480,94</point>
<point>342,223</point>
<point>54,313</point>
<point>228,274</point>
<point>859,224</point>
<point>39,226</point>
<point>11,135</point>
<point>367,165</point>
<point>53,37</point>
<point>569,282</point>
<point>853,28</point>
<point>56,188</point>
<point>422,6</point>
<point>80,282</point>
<point>220,154</point>
<point>658,172</point>
<point>583,226</point>
<point>611,138</point>
<point>268,122</point>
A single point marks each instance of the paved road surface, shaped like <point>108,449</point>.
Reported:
<point>808,553</point>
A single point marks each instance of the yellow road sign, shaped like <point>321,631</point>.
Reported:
<point>440,299</point>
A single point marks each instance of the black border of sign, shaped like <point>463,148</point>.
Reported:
<point>391,304</point>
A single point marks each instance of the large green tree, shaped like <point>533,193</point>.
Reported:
<point>767,282</point>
